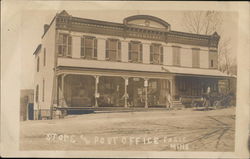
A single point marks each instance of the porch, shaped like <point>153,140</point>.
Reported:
<point>76,91</point>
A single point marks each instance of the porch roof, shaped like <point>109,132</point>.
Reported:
<point>196,71</point>
<point>136,67</point>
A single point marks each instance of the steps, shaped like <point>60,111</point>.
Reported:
<point>176,104</point>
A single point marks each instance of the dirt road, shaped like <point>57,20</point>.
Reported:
<point>159,130</point>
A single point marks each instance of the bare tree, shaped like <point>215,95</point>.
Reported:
<point>206,23</point>
<point>202,22</point>
<point>227,64</point>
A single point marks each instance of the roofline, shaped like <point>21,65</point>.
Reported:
<point>108,23</point>
<point>49,26</point>
<point>149,17</point>
<point>38,48</point>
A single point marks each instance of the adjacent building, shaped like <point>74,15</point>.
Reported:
<point>141,62</point>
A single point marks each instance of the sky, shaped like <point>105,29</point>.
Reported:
<point>33,15</point>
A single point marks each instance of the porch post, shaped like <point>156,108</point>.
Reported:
<point>56,98</point>
<point>63,99</point>
<point>96,90</point>
<point>146,92</point>
<point>172,85</point>
<point>126,92</point>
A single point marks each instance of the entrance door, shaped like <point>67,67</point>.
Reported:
<point>136,92</point>
<point>30,111</point>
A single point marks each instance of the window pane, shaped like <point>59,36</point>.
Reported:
<point>95,52</point>
<point>112,45</point>
<point>112,55</point>
<point>60,51</point>
<point>82,52</point>
<point>60,39</point>
<point>64,39</point>
<point>134,47</point>
<point>88,43</point>
<point>88,53</point>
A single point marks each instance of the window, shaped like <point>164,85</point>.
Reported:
<point>176,55</point>
<point>213,63</point>
<point>89,47</point>
<point>37,92</point>
<point>195,57</point>
<point>43,89</point>
<point>64,45</point>
<point>156,54</point>
<point>38,61</point>
<point>135,51</point>
<point>113,50</point>
<point>44,57</point>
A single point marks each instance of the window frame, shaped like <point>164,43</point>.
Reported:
<point>176,50</point>
<point>213,61</point>
<point>65,44</point>
<point>139,51</point>
<point>153,54</point>
<point>43,95</point>
<point>195,56</point>
<point>38,64</point>
<point>44,57</point>
<point>37,93</point>
<point>84,47</point>
<point>117,50</point>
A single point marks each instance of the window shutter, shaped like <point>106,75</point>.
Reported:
<point>140,53</point>
<point>151,53</point>
<point>107,48</point>
<point>178,56</point>
<point>38,61</point>
<point>161,55</point>
<point>129,51</point>
<point>119,50</point>
<point>69,45</point>
<point>95,48</point>
<point>82,47</point>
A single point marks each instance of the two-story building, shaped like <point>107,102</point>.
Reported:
<point>85,63</point>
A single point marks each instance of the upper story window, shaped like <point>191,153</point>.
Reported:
<point>176,55</point>
<point>135,51</point>
<point>44,57</point>
<point>196,57</point>
<point>64,45</point>
<point>89,47</point>
<point>113,50</point>
<point>43,90</point>
<point>213,59</point>
<point>37,92</point>
<point>38,63</point>
<point>156,54</point>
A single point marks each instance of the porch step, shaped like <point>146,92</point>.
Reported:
<point>176,104</point>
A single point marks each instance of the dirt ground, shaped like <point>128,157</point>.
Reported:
<point>158,130</point>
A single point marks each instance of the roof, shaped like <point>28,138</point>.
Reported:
<point>37,49</point>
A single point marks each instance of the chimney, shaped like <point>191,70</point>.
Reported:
<point>46,27</point>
